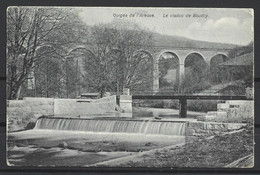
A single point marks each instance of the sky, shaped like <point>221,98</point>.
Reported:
<point>233,26</point>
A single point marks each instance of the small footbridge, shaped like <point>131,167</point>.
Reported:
<point>183,97</point>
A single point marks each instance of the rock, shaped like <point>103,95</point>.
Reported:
<point>63,145</point>
<point>117,108</point>
<point>23,143</point>
<point>106,94</point>
<point>148,144</point>
<point>30,125</point>
<point>222,106</point>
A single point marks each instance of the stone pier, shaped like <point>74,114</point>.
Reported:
<point>181,54</point>
<point>126,101</point>
<point>183,108</point>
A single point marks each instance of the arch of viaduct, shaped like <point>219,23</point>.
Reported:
<point>182,54</point>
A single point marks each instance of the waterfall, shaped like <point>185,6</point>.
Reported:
<point>114,126</point>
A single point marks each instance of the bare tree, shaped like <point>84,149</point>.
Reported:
<point>118,58</point>
<point>29,31</point>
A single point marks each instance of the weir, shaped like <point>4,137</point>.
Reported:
<point>112,126</point>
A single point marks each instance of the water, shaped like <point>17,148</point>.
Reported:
<point>112,126</point>
<point>144,112</point>
<point>92,139</point>
<point>42,146</point>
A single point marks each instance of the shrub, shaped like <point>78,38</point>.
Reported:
<point>202,105</point>
<point>192,105</point>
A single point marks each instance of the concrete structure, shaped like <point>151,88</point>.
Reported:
<point>22,112</point>
<point>76,107</point>
<point>230,116</point>
<point>236,111</point>
<point>126,103</point>
<point>126,91</point>
<point>90,95</point>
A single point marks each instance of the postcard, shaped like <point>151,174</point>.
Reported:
<point>130,87</point>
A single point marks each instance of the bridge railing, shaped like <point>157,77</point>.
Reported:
<point>232,91</point>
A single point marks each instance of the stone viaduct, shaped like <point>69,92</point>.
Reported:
<point>181,54</point>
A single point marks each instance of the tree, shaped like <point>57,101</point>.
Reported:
<point>240,50</point>
<point>118,59</point>
<point>196,74</point>
<point>54,75</point>
<point>30,31</point>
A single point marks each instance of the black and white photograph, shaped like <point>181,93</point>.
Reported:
<point>128,87</point>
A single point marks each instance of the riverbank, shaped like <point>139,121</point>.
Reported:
<point>227,150</point>
<point>57,141</point>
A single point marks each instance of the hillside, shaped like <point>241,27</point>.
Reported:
<point>178,41</point>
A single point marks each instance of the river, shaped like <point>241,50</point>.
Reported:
<point>65,142</point>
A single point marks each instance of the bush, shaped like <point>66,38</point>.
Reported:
<point>202,105</point>
<point>192,105</point>
<point>157,103</point>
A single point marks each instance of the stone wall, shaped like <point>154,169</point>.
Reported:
<point>84,107</point>
<point>22,112</point>
<point>232,111</point>
<point>230,116</point>
<point>199,130</point>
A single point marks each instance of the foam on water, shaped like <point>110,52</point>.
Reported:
<point>112,126</point>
